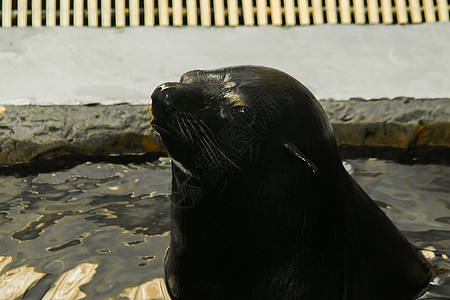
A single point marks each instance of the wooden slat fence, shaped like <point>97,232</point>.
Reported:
<point>120,13</point>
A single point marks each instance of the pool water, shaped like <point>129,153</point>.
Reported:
<point>116,216</point>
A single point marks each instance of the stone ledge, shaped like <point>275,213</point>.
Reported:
<point>413,127</point>
<point>398,123</point>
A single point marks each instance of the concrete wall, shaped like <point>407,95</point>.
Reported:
<point>81,65</point>
<point>416,128</point>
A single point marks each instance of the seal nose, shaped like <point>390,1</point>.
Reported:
<point>163,98</point>
<point>171,97</point>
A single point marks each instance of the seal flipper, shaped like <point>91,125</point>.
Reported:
<point>295,151</point>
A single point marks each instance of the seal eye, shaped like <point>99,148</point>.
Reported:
<point>239,109</point>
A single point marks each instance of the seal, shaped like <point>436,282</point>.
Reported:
<point>261,205</point>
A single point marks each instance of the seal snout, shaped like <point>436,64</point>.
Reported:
<point>171,97</point>
<point>163,99</point>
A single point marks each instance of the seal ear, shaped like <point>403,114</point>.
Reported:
<point>295,151</point>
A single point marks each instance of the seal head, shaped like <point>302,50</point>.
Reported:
<point>261,206</point>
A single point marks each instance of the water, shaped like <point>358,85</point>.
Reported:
<point>116,216</point>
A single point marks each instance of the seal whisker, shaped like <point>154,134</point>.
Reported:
<point>202,139</point>
<point>190,123</point>
<point>218,149</point>
<point>205,137</point>
<point>191,138</point>
<point>209,150</point>
<point>184,131</point>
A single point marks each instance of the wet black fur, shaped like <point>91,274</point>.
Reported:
<point>265,226</point>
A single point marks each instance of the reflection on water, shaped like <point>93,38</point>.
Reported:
<point>116,216</point>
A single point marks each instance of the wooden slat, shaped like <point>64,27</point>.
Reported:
<point>372,7</point>
<point>317,11</point>
<point>442,10</point>
<point>78,13</point>
<point>275,10</point>
<point>219,13</point>
<point>163,8</point>
<point>233,19</point>
<point>402,9</point>
<point>22,13</point>
<point>344,6</point>
<point>134,13</point>
<point>6,13</point>
<point>50,13</point>
<point>331,11</point>
<point>177,15</point>
<point>92,13</point>
<point>106,13</point>
<point>36,15</point>
<point>149,13</point>
<point>386,11</point>
<point>261,12</point>
<point>120,13</point>
<point>64,13</point>
<point>402,16</point>
<point>360,16</point>
<point>289,12</point>
<point>247,7</point>
<point>191,12</point>
<point>414,9</point>
<point>303,12</point>
<point>205,13</point>
<point>430,12</point>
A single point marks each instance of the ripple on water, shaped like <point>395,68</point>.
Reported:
<point>116,216</point>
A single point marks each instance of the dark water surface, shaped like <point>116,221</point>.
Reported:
<point>116,216</point>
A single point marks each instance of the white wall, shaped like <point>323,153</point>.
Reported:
<point>83,65</point>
